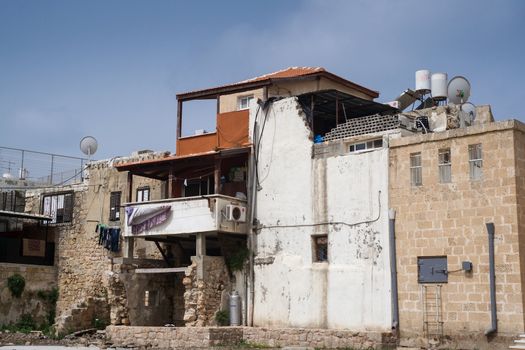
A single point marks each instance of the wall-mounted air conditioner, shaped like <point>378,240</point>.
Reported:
<point>235,213</point>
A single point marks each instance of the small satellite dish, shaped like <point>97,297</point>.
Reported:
<point>458,90</point>
<point>88,145</point>
<point>469,109</point>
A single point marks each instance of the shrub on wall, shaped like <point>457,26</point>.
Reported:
<point>16,284</point>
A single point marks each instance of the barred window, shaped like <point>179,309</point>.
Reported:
<point>445,166</point>
<point>320,248</point>
<point>475,161</point>
<point>114,206</point>
<point>59,206</point>
<point>416,177</point>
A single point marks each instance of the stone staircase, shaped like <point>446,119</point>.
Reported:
<point>519,343</point>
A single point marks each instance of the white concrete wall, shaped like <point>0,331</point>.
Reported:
<point>352,290</point>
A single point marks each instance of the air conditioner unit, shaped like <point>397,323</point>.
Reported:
<point>235,213</point>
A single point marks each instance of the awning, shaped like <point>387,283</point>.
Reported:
<point>14,214</point>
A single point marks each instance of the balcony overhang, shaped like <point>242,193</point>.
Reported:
<point>159,169</point>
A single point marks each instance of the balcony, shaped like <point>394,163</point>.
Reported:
<point>232,132</point>
<point>187,215</point>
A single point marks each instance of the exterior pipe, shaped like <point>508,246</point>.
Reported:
<point>492,278</point>
<point>251,233</point>
<point>393,268</point>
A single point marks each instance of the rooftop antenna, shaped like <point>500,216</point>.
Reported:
<point>88,146</point>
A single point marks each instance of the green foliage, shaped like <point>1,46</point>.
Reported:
<point>50,296</point>
<point>26,323</point>
<point>237,260</point>
<point>222,317</point>
<point>16,284</point>
<point>98,323</point>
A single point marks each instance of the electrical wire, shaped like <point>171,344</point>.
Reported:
<point>329,222</point>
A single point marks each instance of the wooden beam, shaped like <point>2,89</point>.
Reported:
<point>163,270</point>
<point>130,187</point>
<point>179,119</point>
<point>171,182</point>
<point>163,254</point>
<point>217,176</point>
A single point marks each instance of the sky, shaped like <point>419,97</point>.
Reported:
<point>111,68</point>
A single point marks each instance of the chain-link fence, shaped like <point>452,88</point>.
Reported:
<point>40,168</point>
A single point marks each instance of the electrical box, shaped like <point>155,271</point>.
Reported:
<point>432,269</point>
<point>466,266</point>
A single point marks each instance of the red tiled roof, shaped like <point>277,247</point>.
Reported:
<point>288,73</point>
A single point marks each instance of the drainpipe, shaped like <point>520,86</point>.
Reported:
<point>393,267</point>
<point>492,278</point>
<point>251,230</point>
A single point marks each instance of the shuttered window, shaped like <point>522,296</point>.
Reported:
<point>59,206</point>
<point>114,206</point>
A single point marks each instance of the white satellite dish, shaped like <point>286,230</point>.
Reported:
<point>458,90</point>
<point>469,109</point>
<point>88,146</point>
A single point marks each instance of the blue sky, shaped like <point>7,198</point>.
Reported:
<point>111,69</point>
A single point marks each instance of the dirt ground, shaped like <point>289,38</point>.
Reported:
<point>97,339</point>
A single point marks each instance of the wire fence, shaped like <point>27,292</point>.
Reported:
<point>40,168</point>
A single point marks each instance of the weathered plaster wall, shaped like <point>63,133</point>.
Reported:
<point>37,278</point>
<point>352,290</point>
<point>449,219</point>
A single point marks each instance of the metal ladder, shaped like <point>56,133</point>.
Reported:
<point>432,312</point>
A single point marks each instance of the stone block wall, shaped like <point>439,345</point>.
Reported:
<point>81,262</point>
<point>204,337</point>
<point>37,278</point>
<point>204,290</point>
<point>448,219</point>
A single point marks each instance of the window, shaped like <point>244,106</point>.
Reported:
<point>475,161</point>
<point>416,177</point>
<point>362,146</point>
<point>59,206</point>
<point>445,169</point>
<point>143,194</point>
<point>432,269</point>
<point>114,206</point>
<point>151,298</point>
<point>320,248</point>
<point>244,102</point>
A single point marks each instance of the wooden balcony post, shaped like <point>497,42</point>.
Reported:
<point>217,176</point>
<point>130,187</point>
<point>171,180</point>
<point>179,120</point>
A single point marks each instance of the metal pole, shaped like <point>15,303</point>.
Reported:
<point>393,268</point>
<point>22,174</point>
<point>492,278</point>
<point>52,167</point>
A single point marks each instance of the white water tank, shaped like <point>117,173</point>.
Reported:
<point>423,81</point>
<point>439,86</point>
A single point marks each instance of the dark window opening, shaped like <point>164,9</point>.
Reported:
<point>320,245</point>
<point>114,206</point>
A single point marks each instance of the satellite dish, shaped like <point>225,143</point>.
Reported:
<point>470,110</point>
<point>88,145</point>
<point>458,90</point>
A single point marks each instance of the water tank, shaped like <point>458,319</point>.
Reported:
<point>423,81</point>
<point>439,86</point>
<point>235,309</point>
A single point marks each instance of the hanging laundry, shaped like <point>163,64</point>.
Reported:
<point>108,237</point>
